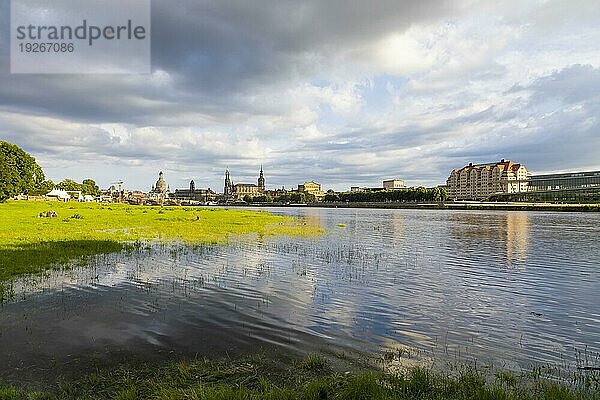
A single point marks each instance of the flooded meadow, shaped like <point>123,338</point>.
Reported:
<point>512,289</point>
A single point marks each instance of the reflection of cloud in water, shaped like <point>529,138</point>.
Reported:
<point>408,279</point>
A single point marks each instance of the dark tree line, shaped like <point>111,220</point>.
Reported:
<point>295,197</point>
<point>409,195</point>
<point>417,194</point>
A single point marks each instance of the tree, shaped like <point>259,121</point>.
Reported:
<point>43,189</point>
<point>88,186</point>
<point>415,194</point>
<point>69,185</point>
<point>19,172</point>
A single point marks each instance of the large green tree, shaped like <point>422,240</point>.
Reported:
<point>19,172</point>
<point>88,186</point>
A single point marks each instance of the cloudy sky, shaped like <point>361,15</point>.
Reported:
<point>342,92</point>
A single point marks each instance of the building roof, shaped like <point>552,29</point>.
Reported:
<point>59,193</point>
<point>503,165</point>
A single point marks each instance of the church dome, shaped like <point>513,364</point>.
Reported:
<point>161,185</point>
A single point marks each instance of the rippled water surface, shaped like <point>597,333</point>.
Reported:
<point>512,288</point>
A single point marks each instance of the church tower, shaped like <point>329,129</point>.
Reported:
<point>261,180</point>
<point>227,189</point>
<point>192,186</point>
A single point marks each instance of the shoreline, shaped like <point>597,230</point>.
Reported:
<point>278,374</point>
<point>470,206</point>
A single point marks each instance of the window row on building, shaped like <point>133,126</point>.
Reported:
<point>478,182</point>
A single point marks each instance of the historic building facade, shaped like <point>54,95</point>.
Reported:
<point>239,190</point>
<point>161,187</point>
<point>194,194</point>
<point>393,184</point>
<point>312,188</point>
<point>478,182</point>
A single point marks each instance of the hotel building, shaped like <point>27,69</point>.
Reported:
<point>478,182</point>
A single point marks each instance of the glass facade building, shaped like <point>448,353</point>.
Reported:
<point>573,180</point>
<point>574,187</point>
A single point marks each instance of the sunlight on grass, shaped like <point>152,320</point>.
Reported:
<point>30,243</point>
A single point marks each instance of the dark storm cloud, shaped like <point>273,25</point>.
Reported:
<point>566,104</point>
<point>215,54</point>
<point>231,45</point>
<point>577,83</point>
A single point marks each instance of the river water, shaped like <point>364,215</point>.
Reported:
<point>508,288</point>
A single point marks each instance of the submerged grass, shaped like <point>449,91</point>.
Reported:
<point>277,377</point>
<point>30,244</point>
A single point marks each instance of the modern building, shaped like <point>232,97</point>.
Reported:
<point>240,190</point>
<point>393,184</point>
<point>479,182</point>
<point>312,188</point>
<point>573,187</point>
<point>571,180</point>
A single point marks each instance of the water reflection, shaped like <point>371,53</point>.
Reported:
<point>499,238</point>
<point>496,286</point>
<point>517,239</point>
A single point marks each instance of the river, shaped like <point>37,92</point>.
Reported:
<point>508,288</point>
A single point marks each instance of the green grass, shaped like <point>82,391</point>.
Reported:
<point>282,377</point>
<point>29,244</point>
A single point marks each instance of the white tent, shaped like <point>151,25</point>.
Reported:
<point>60,194</point>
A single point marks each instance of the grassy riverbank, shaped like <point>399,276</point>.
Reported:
<point>314,377</point>
<point>30,244</point>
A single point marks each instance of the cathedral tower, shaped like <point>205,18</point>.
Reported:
<point>227,189</point>
<point>261,180</point>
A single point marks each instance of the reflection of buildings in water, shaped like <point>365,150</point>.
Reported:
<point>390,228</point>
<point>313,217</point>
<point>517,238</point>
<point>397,226</point>
<point>504,236</point>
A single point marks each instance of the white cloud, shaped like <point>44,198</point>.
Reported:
<point>340,100</point>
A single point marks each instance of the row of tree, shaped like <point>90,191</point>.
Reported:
<point>417,194</point>
<point>287,198</point>
<point>21,174</point>
<point>88,186</point>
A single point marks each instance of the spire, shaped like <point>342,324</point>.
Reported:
<point>261,179</point>
<point>227,187</point>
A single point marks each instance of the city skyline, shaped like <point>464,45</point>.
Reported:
<point>346,96</point>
